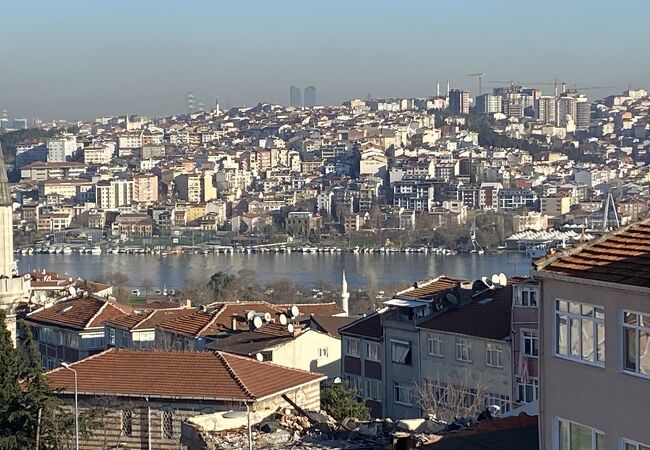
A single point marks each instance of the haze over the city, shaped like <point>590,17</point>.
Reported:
<point>79,60</point>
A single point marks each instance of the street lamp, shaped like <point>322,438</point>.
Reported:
<point>76,404</point>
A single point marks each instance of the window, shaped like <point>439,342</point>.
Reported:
<point>529,343</point>
<point>437,391</point>
<point>526,297</point>
<point>631,445</point>
<point>502,401</point>
<point>434,345</point>
<point>126,426</point>
<point>372,351</point>
<point>403,394</point>
<point>322,352</point>
<point>528,391</point>
<point>572,436</point>
<point>373,389</point>
<point>401,352</point>
<point>352,347</point>
<point>354,383</point>
<point>494,355</point>
<point>463,350</point>
<point>580,332</point>
<point>111,336</point>
<point>167,424</point>
<point>636,341</point>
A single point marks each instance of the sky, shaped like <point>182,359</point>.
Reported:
<point>73,60</point>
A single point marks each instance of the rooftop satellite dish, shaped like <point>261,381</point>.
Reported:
<point>495,279</point>
<point>257,322</point>
<point>290,328</point>
<point>294,312</point>
<point>283,319</point>
<point>259,357</point>
<point>487,282</point>
<point>503,279</point>
<point>267,317</point>
<point>250,315</point>
<point>73,291</point>
<point>452,299</point>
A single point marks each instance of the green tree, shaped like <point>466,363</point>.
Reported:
<point>9,388</point>
<point>339,401</point>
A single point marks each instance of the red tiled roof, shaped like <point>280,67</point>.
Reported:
<point>147,320</point>
<point>479,318</point>
<point>430,288</point>
<point>331,324</point>
<point>177,374</point>
<point>80,313</point>
<point>620,257</point>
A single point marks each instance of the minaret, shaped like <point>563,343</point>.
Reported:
<point>6,223</point>
<point>345,296</point>
<point>437,88</point>
<point>448,89</point>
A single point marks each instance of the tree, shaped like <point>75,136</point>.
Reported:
<point>147,285</point>
<point>339,401</point>
<point>9,388</point>
<point>283,290</point>
<point>449,398</point>
<point>220,282</point>
<point>198,291</point>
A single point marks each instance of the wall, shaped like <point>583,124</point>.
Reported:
<point>302,353</point>
<point>600,397</point>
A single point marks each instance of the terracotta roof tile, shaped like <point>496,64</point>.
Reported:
<point>80,313</point>
<point>331,324</point>
<point>147,320</point>
<point>620,257</point>
<point>177,374</point>
<point>429,289</point>
<point>319,309</point>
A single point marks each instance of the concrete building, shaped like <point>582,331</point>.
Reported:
<point>98,154</point>
<point>488,104</point>
<point>145,188</point>
<point>595,343</point>
<point>30,152</point>
<point>310,97</point>
<point>458,101</point>
<point>555,206</point>
<point>295,97</point>
<point>111,194</point>
<point>61,148</point>
<point>546,109</point>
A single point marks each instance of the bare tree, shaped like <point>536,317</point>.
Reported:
<point>147,285</point>
<point>448,398</point>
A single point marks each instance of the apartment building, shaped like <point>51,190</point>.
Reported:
<point>362,361</point>
<point>595,343</point>
<point>111,194</point>
<point>61,148</point>
<point>145,188</point>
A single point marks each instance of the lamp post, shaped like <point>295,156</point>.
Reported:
<point>76,404</point>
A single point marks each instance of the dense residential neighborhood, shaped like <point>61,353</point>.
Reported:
<point>446,362</point>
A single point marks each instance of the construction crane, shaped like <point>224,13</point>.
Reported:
<point>479,76</point>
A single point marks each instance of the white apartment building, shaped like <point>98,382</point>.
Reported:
<point>61,148</point>
<point>112,194</point>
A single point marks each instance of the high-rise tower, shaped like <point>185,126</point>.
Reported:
<point>310,97</point>
<point>295,97</point>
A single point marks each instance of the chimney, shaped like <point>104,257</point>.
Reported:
<point>234,323</point>
<point>188,303</point>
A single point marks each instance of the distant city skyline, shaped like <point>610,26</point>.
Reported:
<point>143,58</point>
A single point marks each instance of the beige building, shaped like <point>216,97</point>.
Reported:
<point>144,396</point>
<point>145,188</point>
<point>556,206</point>
<point>112,194</point>
<point>595,336</point>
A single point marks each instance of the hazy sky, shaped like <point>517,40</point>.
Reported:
<point>83,59</point>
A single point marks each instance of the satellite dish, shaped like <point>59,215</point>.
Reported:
<point>290,328</point>
<point>267,317</point>
<point>257,322</point>
<point>73,291</point>
<point>283,319</point>
<point>259,357</point>
<point>487,282</point>
<point>495,279</point>
<point>503,279</point>
<point>250,315</point>
<point>452,299</point>
<point>294,312</point>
